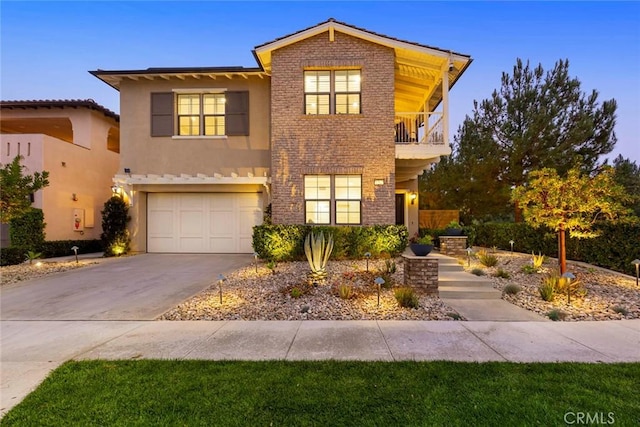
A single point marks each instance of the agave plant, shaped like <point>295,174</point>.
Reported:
<point>318,249</point>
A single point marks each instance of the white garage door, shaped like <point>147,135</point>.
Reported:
<point>202,222</point>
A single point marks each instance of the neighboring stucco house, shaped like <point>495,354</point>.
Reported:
<point>333,127</point>
<point>77,142</point>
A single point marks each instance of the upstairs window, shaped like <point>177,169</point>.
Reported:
<point>332,92</point>
<point>201,114</point>
<point>210,113</point>
<point>317,92</point>
<point>347,91</point>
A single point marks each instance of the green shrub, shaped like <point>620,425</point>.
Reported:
<point>12,256</point>
<point>486,259</point>
<point>613,249</point>
<point>27,231</point>
<point>115,235</point>
<point>58,248</point>
<point>286,242</point>
<point>454,316</point>
<point>32,255</point>
<point>295,292</point>
<point>390,266</point>
<point>620,310</point>
<point>547,291</point>
<point>556,315</point>
<point>502,274</point>
<point>529,269</point>
<point>537,261</point>
<point>406,297</point>
<point>388,280</point>
<point>478,272</point>
<point>512,289</point>
<point>271,265</point>
<point>345,291</point>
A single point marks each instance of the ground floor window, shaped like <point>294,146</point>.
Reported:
<point>333,199</point>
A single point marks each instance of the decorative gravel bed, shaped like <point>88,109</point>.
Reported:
<point>25,271</point>
<point>263,295</point>
<point>608,295</point>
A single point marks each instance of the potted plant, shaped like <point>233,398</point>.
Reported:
<point>453,229</point>
<point>421,246</point>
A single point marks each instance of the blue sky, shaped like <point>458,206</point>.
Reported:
<point>48,47</point>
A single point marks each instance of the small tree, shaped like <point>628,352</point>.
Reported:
<point>115,235</point>
<point>27,230</point>
<point>16,188</point>
<point>573,204</point>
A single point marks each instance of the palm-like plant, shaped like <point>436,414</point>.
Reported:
<point>318,249</point>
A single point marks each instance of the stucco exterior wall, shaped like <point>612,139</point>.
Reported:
<point>144,154</point>
<point>332,144</point>
<point>84,168</point>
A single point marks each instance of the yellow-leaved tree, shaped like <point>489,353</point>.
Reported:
<point>573,204</point>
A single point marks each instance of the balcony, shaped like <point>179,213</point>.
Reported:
<point>420,141</point>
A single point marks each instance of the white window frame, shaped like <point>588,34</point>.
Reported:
<point>333,93</point>
<point>201,125</point>
<point>336,198</point>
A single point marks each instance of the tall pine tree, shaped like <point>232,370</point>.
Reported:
<point>535,120</point>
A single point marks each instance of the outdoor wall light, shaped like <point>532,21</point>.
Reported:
<point>413,197</point>
<point>116,190</point>
<point>636,262</point>
<point>378,182</point>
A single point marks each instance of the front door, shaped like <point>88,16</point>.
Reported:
<point>400,209</point>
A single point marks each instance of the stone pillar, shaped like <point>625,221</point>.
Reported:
<point>453,245</point>
<point>421,273</point>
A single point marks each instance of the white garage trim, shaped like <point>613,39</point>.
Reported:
<point>202,222</point>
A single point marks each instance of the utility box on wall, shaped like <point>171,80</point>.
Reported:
<point>78,220</point>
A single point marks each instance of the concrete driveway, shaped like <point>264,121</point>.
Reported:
<point>139,287</point>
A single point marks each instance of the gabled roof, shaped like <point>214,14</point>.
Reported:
<point>419,67</point>
<point>261,51</point>
<point>60,103</point>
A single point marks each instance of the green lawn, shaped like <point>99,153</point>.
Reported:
<point>176,393</point>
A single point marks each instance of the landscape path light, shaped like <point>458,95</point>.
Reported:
<point>75,250</point>
<point>511,242</point>
<point>569,276</point>
<point>255,257</point>
<point>367,256</point>
<point>221,279</point>
<point>379,281</point>
<point>469,250</point>
<point>636,262</point>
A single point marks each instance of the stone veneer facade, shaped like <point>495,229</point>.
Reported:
<point>332,144</point>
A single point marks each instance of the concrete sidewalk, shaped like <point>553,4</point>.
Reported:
<point>31,349</point>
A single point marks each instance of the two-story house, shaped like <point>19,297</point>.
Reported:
<point>333,127</point>
<point>77,142</point>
